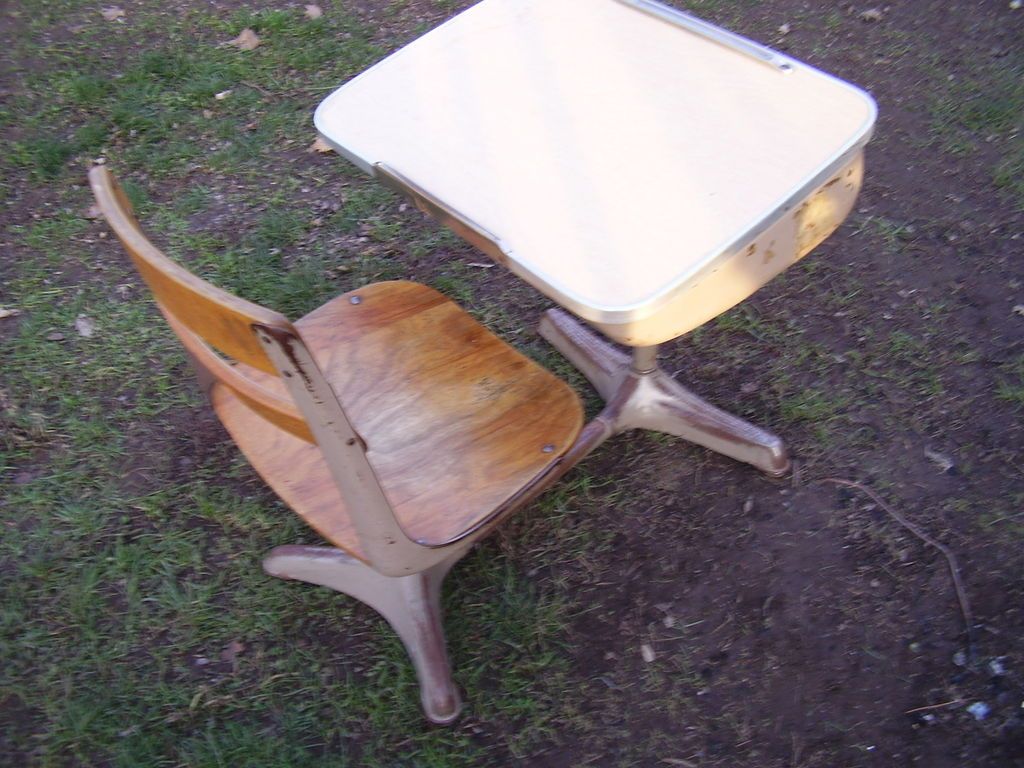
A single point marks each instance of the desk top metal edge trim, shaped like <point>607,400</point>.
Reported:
<point>715,33</point>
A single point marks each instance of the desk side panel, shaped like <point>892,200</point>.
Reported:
<point>734,277</point>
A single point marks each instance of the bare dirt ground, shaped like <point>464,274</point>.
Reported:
<point>794,622</point>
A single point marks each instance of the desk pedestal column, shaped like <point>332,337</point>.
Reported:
<point>640,395</point>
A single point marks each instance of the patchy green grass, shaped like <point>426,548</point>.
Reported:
<point>1010,384</point>
<point>186,101</point>
<point>136,626</point>
<point>988,108</point>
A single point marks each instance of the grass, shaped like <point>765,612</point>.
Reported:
<point>114,618</point>
<point>986,108</point>
<point>136,627</point>
<point>179,104</point>
<point>1010,387</point>
<point>893,234</point>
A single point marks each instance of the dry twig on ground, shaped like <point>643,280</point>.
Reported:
<point>954,568</point>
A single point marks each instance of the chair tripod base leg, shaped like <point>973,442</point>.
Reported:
<point>645,397</point>
<point>411,604</point>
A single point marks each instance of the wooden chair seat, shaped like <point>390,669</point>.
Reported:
<point>456,422</point>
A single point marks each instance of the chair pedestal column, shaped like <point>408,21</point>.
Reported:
<point>640,395</point>
<point>411,604</point>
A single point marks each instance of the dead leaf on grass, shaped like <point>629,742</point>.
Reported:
<point>37,424</point>
<point>246,40</point>
<point>231,653</point>
<point>314,11</point>
<point>785,29</point>
<point>113,13</point>
<point>85,326</point>
<point>941,460</point>
<point>320,146</point>
<point>222,95</point>
<point>55,336</point>
<point>231,650</point>
<point>93,212</point>
<point>647,653</point>
<point>872,14</point>
<point>4,312</point>
<point>1019,310</point>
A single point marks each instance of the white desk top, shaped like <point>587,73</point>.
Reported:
<point>612,154</point>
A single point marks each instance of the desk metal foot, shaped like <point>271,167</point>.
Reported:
<point>640,395</point>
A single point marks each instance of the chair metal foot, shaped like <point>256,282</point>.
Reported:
<point>411,604</point>
<point>641,395</point>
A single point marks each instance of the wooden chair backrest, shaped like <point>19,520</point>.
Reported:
<point>202,315</point>
<point>207,318</point>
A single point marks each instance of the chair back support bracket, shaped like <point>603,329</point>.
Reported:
<point>390,551</point>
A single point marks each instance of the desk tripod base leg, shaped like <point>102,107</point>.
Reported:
<point>641,395</point>
<point>604,366</point>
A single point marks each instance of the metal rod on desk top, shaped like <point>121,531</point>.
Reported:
<point>710,31</point>
<point>462,225</point>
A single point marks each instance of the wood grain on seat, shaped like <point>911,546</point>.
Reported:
<point>455,421</point>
